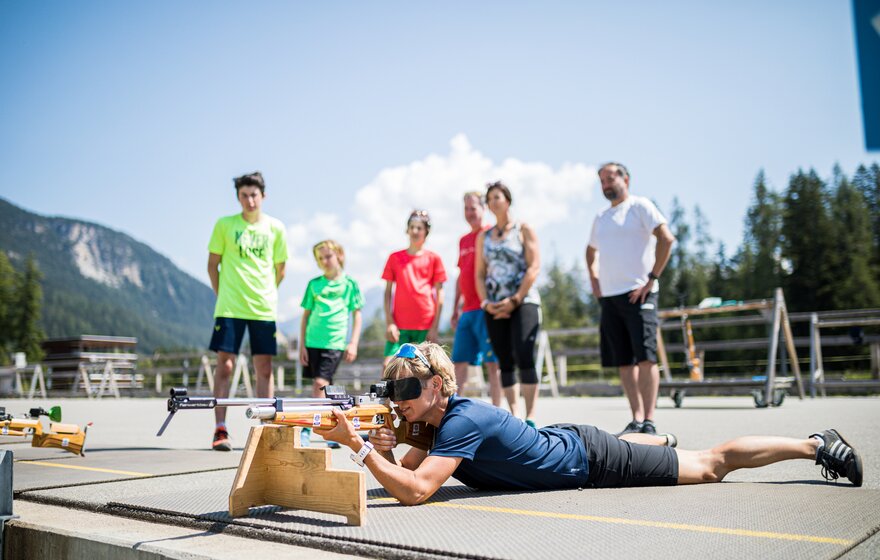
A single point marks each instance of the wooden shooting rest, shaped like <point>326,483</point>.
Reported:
<point>276,470</point>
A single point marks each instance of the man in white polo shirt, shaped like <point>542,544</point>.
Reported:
<point>629,247</point>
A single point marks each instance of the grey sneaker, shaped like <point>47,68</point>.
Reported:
<point>631,428</point>
<point>648,427</point>
<point>838,458</point>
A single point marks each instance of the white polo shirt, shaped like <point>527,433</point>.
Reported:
<point>624,237</point>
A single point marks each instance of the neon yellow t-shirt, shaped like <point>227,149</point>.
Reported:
<point>249,252</point>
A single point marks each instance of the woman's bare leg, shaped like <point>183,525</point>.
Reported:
<point>747,452</point>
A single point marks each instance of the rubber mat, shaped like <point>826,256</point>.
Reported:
<point>729,520</point>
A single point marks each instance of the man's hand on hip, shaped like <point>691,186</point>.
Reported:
<point>641,294</point>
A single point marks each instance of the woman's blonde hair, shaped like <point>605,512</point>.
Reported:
<point>333,246</point>
<point>398,368</point>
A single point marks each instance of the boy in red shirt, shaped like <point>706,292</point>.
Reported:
<point>415,277</point>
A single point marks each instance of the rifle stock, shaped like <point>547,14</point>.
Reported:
<point>68,437</point>
<point>364,417</point>
<point>63,436</point>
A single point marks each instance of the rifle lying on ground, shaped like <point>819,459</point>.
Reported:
<point>68,437</point>
<point>365,412</point>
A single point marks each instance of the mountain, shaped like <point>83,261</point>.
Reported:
<point>100,281</point>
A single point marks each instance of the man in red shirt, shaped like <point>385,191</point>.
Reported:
<point>472,346</point>
<point>415,278</point>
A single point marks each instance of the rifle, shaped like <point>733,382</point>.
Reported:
<point>365,412</point>
<point>68,437</point>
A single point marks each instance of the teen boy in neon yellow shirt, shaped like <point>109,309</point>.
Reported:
<point>247,255</point>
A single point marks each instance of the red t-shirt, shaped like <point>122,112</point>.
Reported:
<point>467,279</point>
<point>414,278</point>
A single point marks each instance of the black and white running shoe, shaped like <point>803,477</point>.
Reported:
<point>838,458</point>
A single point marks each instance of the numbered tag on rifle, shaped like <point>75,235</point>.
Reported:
<point>65,442</point>
<point>356,422</point>
<point>417,434</point>
<point>316,419</point>
<point>4,431</point>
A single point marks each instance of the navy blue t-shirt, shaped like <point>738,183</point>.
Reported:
<point>501,452</point>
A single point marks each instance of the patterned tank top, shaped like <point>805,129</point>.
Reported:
<point>506,265</point>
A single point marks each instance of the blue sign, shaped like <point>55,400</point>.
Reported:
<point>867,26</point>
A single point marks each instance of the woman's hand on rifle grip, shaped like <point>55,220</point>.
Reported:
<point>343,432</point>
<point>383,439</point>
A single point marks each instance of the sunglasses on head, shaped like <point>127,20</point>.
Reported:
<point>407,388</point>
<point>412,352</point>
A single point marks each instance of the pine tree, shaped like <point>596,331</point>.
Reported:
<point>27,332</point>
<point>675,286</point>
<point>719,276</point>
<point>700,267</point>
<point>808,246</point>
<point>867,182</point>
<point>7,295</point>
<point>856,285</point>
<point>762,243</point>
<point>563,298</point>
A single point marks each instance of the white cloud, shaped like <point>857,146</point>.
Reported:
<point>376,220</point>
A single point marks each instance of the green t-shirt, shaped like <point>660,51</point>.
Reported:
<point>249,254</point>
<point>330,303</point>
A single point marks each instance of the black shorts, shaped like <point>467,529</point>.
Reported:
<point>322,363</point>
<point>229,332</point>
<point>628,331</point>
<point>615,463</point>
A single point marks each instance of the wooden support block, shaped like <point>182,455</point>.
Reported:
<point>276,470</point>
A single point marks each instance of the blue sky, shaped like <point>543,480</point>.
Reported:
<point>136,115</point>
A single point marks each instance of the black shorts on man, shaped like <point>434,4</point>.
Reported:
<point>628,331</point>
<point>322,363</point>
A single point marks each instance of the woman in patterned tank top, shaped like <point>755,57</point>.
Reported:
<point>507,264</point>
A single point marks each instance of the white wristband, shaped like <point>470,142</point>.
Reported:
<point>362,454</point>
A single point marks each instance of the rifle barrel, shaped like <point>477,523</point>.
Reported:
<point>284,402</point>
<point>268,412</point>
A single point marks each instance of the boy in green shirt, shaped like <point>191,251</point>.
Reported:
<point>247,255</point>
<point>327,304</point>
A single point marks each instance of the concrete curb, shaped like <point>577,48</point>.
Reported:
<point>47,532</point>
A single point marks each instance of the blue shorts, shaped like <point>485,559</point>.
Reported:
<point>471,343</point>
<point>228,333</point>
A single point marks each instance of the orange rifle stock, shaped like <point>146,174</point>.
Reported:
<point>68,437</point>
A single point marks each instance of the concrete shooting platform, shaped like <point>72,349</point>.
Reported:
<point>134,495</point>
